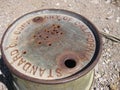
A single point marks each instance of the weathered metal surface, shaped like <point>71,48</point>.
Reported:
<point>51,46</point>
<point>83,83</point>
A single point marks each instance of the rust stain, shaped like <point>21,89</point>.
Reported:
<point>24,52</point>
<point>69,55</point>
<point>48,35</point>
<point>38,19</point>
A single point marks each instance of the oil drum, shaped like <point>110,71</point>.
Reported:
<point>51,49</point>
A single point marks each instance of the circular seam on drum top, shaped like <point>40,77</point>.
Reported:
<point>38,48</point>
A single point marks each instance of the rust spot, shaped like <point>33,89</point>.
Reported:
<point>48,31</point>
<point>58,19</point>
<point>58,26</point>
<point>39,42</point>
<point>38,19</point>
<point>54,30</point>
<point>61,33</point>
<point>45,30</point>
<point>49,35</point>
<point>49,44</point>
<point>69,61</point>
<point>57,32</point>
<point>53,24</point>
<point>52,33</point>
<point>34,36</point>
<point>24,52</point>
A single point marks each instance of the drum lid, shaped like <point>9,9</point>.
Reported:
<point>51,46</point>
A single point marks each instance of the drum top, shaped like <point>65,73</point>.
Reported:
<point>49,45</point>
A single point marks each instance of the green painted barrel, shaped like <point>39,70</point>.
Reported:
<point>51,50</point>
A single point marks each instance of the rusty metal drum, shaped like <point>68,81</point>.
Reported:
<point>51,49</point>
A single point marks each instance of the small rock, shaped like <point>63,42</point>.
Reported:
<point>77,1</point>
<point>110,11</point>
<point>109,17</point>
<point>118,19</point>
<point>97,75</point>
<point>116,2</point>
<point>69,5</point>
<point>110,79</point>
<point>104,40</point>
<point>94,88</point>
<point>114,76</point>
<point>113,86</point>
<point>103,63</point>
<point>117,69</point>
<point>110,14</point>
<point>95,1</point>
<point>108,49</point>
<point>106,88</point>
<point>107,61</point>
<point>106,30</point>
<point>102,88</point>
<point>115,66</point>
<point>57,4</point>
<point>107,53</point>
<point>108,1</point>
<point>65,1</point>
<point>101,80</point>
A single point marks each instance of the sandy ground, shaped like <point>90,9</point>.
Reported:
<point>104,14</point>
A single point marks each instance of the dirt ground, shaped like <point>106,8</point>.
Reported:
<point>104,14</point>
